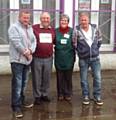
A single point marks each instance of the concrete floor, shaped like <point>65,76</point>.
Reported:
<point>63,110</point>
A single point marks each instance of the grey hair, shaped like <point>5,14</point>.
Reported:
<point>44,13</point>
<point>26,11</point>
<point>84,14</point>
<point>64,16</point>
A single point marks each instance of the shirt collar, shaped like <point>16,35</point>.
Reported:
<point>41,26</point>
<point>23,25</point>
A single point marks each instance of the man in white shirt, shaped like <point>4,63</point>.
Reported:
<point>87,40</point>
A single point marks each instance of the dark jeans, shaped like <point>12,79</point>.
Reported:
<point>95,66</point>
<point>64,82</point>
<point>19,80</point>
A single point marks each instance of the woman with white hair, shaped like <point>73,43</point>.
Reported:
<point>64,58</point>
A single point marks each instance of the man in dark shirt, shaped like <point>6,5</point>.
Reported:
<point>42,61</point>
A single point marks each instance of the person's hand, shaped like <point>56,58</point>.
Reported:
<point>29,57</point>
<point>28,54</point>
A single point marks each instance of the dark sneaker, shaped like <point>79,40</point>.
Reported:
<point>98,101</point>
<point>68,98</point>
<point>28,105</point>
<point>86,100</point>
<point>18,114</point>
<point>37,101</point>
<point>45,98</point>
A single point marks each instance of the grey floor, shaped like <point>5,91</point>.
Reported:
<point>63,110</point>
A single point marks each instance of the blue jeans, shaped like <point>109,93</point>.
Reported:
<point>19,80</point>
<point>95,66</point>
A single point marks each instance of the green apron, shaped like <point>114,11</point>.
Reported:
<point>64,52</point>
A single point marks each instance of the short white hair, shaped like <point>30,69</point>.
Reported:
<point>64,16</point>
<point>44,13</point>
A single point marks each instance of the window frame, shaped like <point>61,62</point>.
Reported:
<point>14,7</point>
<point>104,47</point>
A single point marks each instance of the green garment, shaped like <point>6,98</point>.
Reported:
<point>64,52</point>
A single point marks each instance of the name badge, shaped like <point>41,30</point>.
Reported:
<point>45,37</point>
<point>66,35</point>
<point>63,41</point>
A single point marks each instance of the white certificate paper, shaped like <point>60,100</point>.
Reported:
<point>63,41</point>
<point>66,35</point>
<point>45,37</point>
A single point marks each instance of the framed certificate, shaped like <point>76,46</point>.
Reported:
<point>104,1</point>
<point>25,1</point>
<point>84,5</point>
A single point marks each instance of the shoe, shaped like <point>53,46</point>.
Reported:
<point>68,98</point>
<point>86,100</point>
<point>98,101</point>
<point>45,98</point>
<point>18,114</point>
<point>37,101</point>
<point>60,98</point>
<point>28,105</point>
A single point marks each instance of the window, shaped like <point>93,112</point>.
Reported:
<point>102,13</point>
<point>9,10</point>
<point>4,21</point>
<point>105,20</point>
<point>52,6</point>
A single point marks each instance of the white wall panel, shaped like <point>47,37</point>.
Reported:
<point>68,9</point>
<point>37,5</point>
